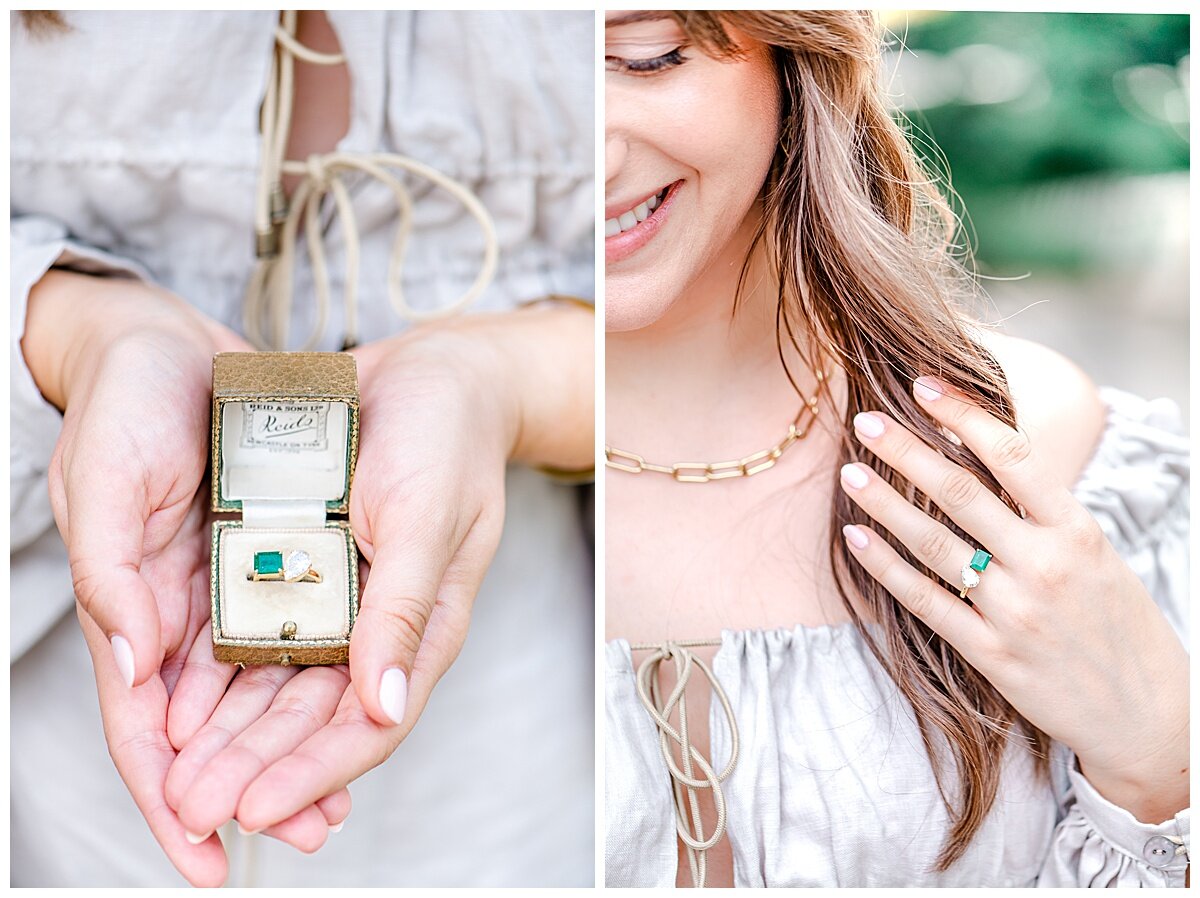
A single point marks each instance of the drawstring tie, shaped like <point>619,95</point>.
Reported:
<point>276,221</point>
<point>684,781</point>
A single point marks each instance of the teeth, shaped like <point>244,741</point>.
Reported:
<point>634,217</point>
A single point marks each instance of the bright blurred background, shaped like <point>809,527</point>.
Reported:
<point>1066,138</point>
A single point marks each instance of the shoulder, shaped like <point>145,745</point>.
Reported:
<point>1057,404</point>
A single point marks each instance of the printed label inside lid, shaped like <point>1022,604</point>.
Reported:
<point>286,426</point>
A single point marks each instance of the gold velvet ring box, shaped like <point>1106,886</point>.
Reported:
<point>284,443</point>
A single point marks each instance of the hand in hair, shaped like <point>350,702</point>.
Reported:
<point>1059,624</point>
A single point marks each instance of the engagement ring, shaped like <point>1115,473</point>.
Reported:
<point>971,571</point>
<point>292,566</point>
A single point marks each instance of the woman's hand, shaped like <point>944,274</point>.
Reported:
<point>1060,625</point>
<point>444,408</point>
<point>131,367</point>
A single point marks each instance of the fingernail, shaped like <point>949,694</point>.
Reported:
<point>855,536</point>
<point>868,425</point>
<point>393,693</point>
<point>854,476</point>
<point>195,839</point>
<point>123,652</point>
<point>928,388</point>
<point>337,827</point>
<point>247,832</point>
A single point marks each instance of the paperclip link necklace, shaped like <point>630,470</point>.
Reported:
<point>705,472</point>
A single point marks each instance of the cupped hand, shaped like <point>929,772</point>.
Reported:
<point>1058,623</point>
<point>131,367</point>
<point>438,425</point>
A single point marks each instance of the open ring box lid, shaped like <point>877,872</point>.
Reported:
<point>284,444</point>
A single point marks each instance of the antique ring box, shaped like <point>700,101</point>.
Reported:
<point>284,444</point>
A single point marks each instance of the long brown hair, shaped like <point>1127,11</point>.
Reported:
<point>860,236</point>
<point>43,21</point>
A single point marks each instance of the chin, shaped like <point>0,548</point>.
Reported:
<point>631,308</point>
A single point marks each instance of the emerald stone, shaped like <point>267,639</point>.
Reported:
<point>980,559</point>
<point>268,562</point>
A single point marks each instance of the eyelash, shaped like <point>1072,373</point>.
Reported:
<point>648,66</point>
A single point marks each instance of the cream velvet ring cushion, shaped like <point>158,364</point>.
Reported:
<point>283,449</point>
<point>258,609</point>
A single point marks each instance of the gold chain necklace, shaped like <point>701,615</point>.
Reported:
<point>703,472</point>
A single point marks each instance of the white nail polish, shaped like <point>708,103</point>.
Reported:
<point>337,827</point>
<point>868,425</point>
<point>123,653</point>
<point>854,476</point>
<point>195,839</point>
<point>393,693</point>
<point>855,536</point>
<point>927,389</point>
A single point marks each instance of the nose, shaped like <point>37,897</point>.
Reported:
<point>615,149</point>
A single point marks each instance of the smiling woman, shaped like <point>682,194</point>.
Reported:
<point>655,111</point>
<point>869,622</point>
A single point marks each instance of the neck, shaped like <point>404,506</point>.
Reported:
<point>716,384</point>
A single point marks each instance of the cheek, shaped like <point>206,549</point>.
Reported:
<point>719,130</point>
<point>741,116</point>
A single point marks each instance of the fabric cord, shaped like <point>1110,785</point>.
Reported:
<point>276,221</point>
<point>684,782</point>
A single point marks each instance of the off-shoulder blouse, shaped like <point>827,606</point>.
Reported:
<point>833,786</point>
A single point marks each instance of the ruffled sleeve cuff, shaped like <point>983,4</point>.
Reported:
<point>1101,845</point>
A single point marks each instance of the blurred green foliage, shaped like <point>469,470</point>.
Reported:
<point>1088,95</point>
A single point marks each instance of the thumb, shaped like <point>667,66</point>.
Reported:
<point>105,544</point>
<point>398,601</point>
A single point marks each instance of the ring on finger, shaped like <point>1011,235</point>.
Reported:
<point>971,571</point>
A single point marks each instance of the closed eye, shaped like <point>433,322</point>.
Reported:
<point>646,66</point>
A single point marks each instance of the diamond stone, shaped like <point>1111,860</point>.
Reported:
<point>970,578</point>
<point>296,564</point>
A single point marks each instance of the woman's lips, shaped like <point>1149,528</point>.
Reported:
<point>626,243</point>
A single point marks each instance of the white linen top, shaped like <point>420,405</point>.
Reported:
<point>135,149</point>
<point>833,786</point>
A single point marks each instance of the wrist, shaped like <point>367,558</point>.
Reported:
<point>551,351</point>
<point>55,322</point>
<point>75,321</point>
<point>1154,789</point>
<point>527,376</point>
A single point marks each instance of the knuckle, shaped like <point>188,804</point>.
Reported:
<point>1083,534</point>
<point>958,489</point>
<point>1051,576</point>
<point>86,580</point>
<point>902,447</point>
<point>935,546</point>
<point>299,710</point>
<point>1011,450</point>
<point>139,745</point>
<point>1023,618</point>
<point>917,597</point>
<point>404,621</point>
<point>993,650</point>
